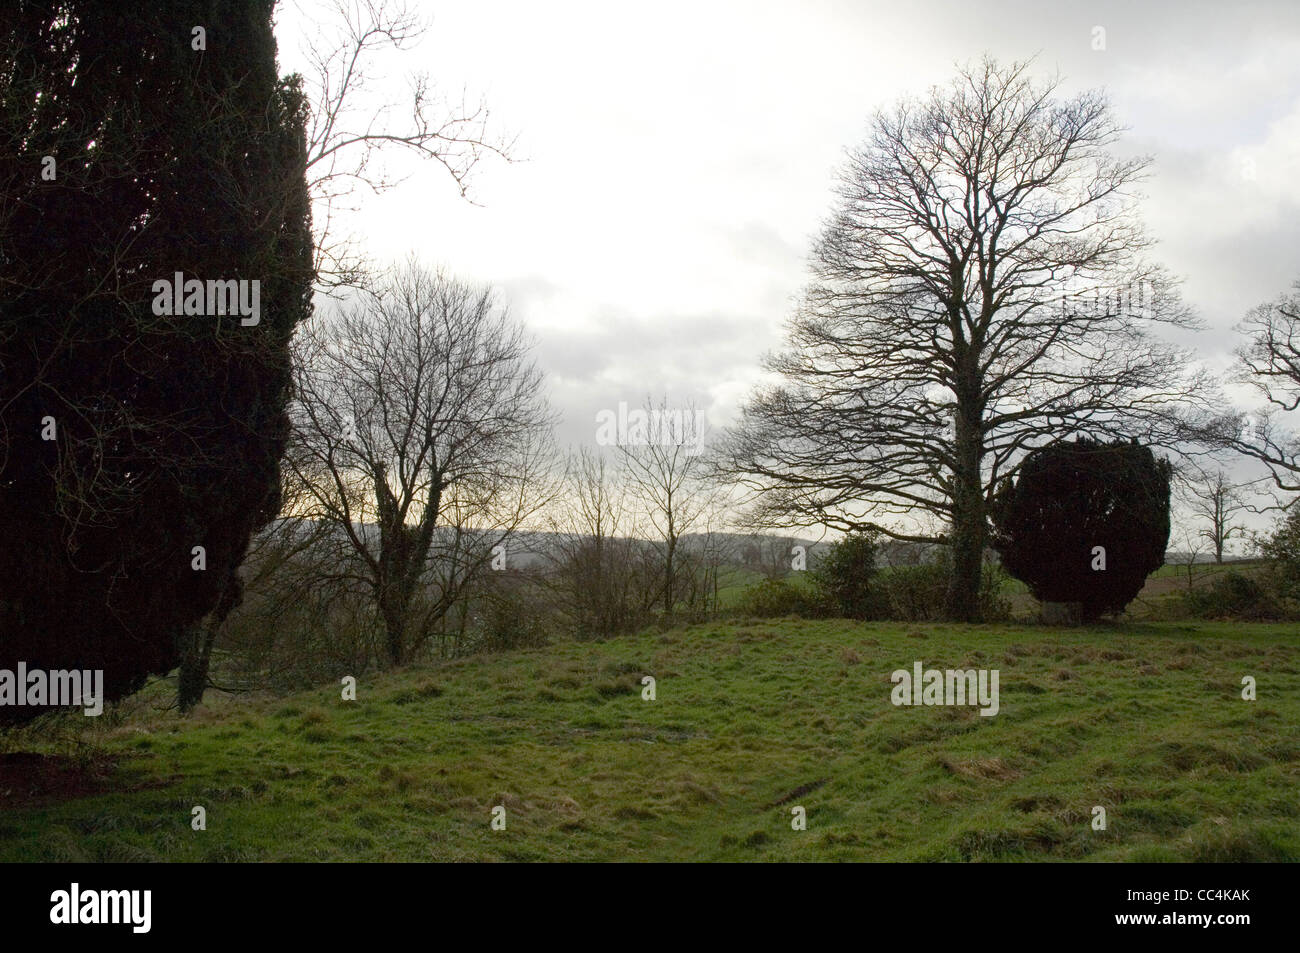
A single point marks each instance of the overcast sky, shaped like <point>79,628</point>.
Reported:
<point>678,158</point>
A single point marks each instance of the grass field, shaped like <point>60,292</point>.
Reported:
<point>750,720</point>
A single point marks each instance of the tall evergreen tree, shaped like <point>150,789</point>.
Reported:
<point>139,451</point>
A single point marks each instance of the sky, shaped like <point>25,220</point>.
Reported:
<point>674,161</point>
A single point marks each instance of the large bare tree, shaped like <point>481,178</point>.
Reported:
<point>981,289</point>
<point>426,442</point>
<point>1269,362</point>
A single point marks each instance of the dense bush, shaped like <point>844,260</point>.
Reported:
<point>1282,549</point>
<point>1074,504</point>
<point>776,597</point>
<point>1231,595</point>
<point>917,593</point>
<point>509,616</point>
<point>844,577</point>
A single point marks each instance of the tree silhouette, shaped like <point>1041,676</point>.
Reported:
<point>424,435</point>
<point>139,451</point>
<point>980,290</point>
<point>1086,522</point>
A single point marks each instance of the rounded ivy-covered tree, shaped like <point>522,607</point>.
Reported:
<point>1085,522</point>
<point>845,575</point>
<point>140,442</point>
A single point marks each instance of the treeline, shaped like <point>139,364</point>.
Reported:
<point>1082,528</point>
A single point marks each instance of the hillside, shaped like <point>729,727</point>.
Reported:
<point>749,721</point>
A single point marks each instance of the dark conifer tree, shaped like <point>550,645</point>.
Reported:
<point>138,141</point>
<point>1085,522</point>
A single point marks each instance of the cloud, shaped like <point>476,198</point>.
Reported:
<point>680,158</point>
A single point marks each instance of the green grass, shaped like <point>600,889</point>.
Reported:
<point>734,583</point>
<point>1246,567</point>
<point>751,719</point>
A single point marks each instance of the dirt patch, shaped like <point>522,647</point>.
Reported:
<point>800,791</point>
<point>29,779</point>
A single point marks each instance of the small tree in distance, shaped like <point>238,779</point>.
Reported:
<point>1085,523</point>
<point>1217,500</point>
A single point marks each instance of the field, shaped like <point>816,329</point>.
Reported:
<point>750,720</point>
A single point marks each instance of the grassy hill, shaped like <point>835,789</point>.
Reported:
<point>750,720</point>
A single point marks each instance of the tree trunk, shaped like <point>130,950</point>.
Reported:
<point>670,594</point>
<point>394,616</point>
<point>1062,613</point>
<point>196,647</point>
<point>192,678</point>
<point>968,538</point>
<point>969,517</point>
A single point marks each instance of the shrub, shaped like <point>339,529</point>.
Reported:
<point>506,611</point>
<point>506,622</point>
<point>1233,596</point>
<point>918,593</point>
<point>844,578</point>
<point>1282,549</point>
<point>776,597</point>
<point>1075,504</point>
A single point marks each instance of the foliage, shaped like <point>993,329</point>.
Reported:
<point>1086,522</point>
<point>509,614</point>
<point>168,428</point>
<point>775,598</point>
<point>1282,549</point>
<point>1231,595</point>
<point>917,593</point>
<point>845,577</point>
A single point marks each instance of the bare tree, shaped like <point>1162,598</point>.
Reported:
<point>1214,498</point>
<point>981,290</point>
<point>349,133</point>
<point>1194,543</point>
<point>1270,363</point>
<point>604,576</point>
<point>662,453</point>
<point>425,432</point>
